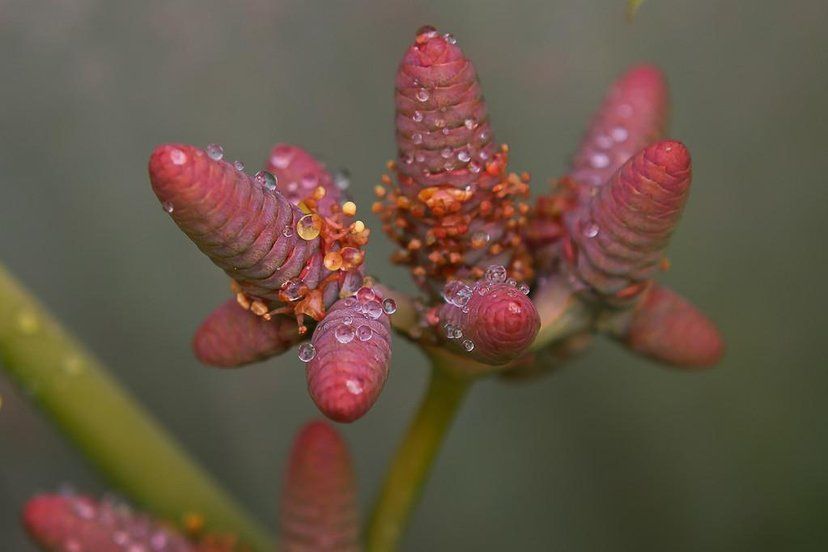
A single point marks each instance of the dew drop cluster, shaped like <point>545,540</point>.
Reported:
<point>130,531</point>
<point>458,294</point>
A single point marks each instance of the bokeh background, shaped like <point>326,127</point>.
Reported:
<point>612,453</point>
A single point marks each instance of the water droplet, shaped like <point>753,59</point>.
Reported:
<point>457,293</point>
<point>446,131</point>
<point>389,306</point>
<point>354,387</point>
<point>281,158</point>
<point>483,135</point>
<point>267,180</point>
<point>422,95</point>
<point>512,282</point>
<point>417,117</point>
<point>168,207</point>
<point>445,153</point>
<point>591,230</point>
<point>495,274</point>
<point>364,333</point>
<point>178,157</point>
<point>365,294</point>
<point>292,289</point>
<point>342,179</point>
<point>524,288</point>
<point>287,231</point>
<point>417,138</point>
<point>83,508</point>
<point>238,165</point>
<point>408,158</point>
<point>309,180</point>
<point>426,32</point>
<point>306,352</point>
<point>348,320</point>
<point>439,123</point>
<point>215,152</point>
<point>419,158</point>
<point>603,141</point>
<point>468,344</point>
<point>482,289</point>
<point>619,134</point>
<point>474,167</point>
<point>483,155</point>
<point>448,37</point>
<point>344,333</point>
<point>470,123</point>
<point>309,227</point>
<point>464,156</point>
<point>373,309</point>
<point>599,160</point>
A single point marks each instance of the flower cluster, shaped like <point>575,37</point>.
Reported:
<point>506,286</point>
<point>497,275</point>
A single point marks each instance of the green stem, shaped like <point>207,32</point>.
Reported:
<point>123,441</point>
<point>414,458</point>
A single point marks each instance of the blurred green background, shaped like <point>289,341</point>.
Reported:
<point>612,453</point>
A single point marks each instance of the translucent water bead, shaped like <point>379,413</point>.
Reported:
<point>267,180</point>
<point>457,293</point>
<point>215,152</point>
<point>306,352</point>
<point>495,274</point>
<point>309,227</point>
<point>344,333</point>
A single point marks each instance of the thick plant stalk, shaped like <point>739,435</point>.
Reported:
<point>318,510</point>
<point>112,430</point>
<point>413,460</point>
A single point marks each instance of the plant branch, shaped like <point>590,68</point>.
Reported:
<point>112,430</point>
<point>410,467</point>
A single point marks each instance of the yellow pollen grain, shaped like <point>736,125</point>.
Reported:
<point>358,227</point>
<point>193,523</point>
<point>349,208</point>
<point>333,260</point>
<point>242,300</point>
